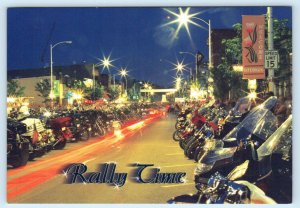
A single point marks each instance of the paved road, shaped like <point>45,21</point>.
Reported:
<point>152,145</point>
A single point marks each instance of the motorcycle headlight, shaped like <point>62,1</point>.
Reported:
<point>78,125</point>
<point>47,114</point>
<point>189,129</point>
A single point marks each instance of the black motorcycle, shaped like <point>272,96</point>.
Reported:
<point>269,167</point>
<point>18,147</point>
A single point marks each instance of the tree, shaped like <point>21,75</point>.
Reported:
<point>229,83</point>
<point>14,89</point>
<point>43,87</point>
<point>93,95</point>
<point>114,92</point>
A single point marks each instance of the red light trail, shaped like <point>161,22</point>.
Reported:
<point>22,180</point>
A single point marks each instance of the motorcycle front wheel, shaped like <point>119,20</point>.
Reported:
<point>176,136</point>
<point>22,158</point>
<point>60,145</point>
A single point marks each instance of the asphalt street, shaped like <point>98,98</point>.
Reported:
<point>150,145</point>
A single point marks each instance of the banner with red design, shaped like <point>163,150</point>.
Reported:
<point>253,46</point>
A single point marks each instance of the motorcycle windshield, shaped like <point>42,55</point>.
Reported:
<point>242,105</point>
<point>262,123</point>
<point>252,121</point>
<point>280,141</point>
<point>266,126</point>
<point>213,156</point>
<point>269,103</point>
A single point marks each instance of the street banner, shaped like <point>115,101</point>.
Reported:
<point>56,88</point>
<point>253,45</point>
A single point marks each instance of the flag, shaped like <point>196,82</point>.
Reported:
<point>35,134</point>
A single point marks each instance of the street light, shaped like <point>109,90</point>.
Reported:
<point>106,62</point>
<point>178,82</point>
<point>51,95</point>
<point>184,18</point>
<point>184,52</point>
<point>146,85</point>
<point>123,72</point>
<point>209,40</point>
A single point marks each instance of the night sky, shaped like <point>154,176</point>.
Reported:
<point>133,36</point>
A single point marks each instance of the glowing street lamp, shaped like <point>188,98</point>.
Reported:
<point>106,63</point>
<point>123,72</point>
<point>51,95</point>
<point>184,18</point>
<point>252,95</point>
<point>179,66</point>
<point>178,82</point>
<point>178,79</point>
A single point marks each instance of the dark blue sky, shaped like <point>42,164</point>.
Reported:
<point>133,36</point>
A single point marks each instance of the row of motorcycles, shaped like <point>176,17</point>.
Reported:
<point>34,134</point>
<point>243,155</point>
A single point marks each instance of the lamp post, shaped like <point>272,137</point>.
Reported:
<point>124,73</point>
<point>208,23</point>
<point>209,40</point>
<point>185,52</point>
<point>183,19</point>
<point>51,66</point>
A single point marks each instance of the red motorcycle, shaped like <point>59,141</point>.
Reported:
<point>61,130</point>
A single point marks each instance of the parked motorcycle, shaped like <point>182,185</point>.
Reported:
<point>60,126</point>
<point>17,145</point>
<point>269,167</point>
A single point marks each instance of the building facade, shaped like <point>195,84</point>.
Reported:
<point>29,78</point>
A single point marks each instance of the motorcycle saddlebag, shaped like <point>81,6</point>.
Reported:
<point>16,126</point>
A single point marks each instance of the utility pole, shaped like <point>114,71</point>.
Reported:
<point>272,86</point>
